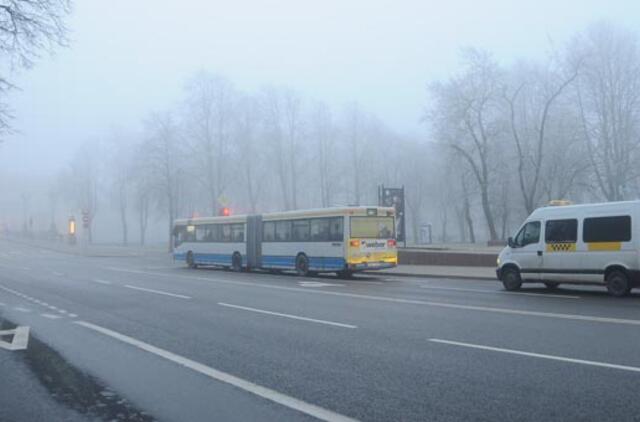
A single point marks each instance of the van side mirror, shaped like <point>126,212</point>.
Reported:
<point>510,242</point>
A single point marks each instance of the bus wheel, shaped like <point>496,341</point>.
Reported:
<point>511,279</point>
<point>551,285</point>
<point>302,265</point>
<point>236,262</point>
<point>190,262</point>
<point>618,283</point>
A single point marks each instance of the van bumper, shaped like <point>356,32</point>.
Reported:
<point>499,273</point>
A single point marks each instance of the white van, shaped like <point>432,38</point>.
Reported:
<point>591,243</point>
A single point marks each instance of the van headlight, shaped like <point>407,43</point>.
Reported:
<point>498,261</point>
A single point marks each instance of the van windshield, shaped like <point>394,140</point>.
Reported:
<point>529,234</point>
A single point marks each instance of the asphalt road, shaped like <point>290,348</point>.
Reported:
<point>201,345</point>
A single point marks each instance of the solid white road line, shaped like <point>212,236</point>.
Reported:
<point>57,273</point>
<point>508,311</point>
<point>97,280</point>
<point>260,311</point>
<point>21,309</point>
<point>248,386</point>
<point>538,355</point>
<point>460,289</point>
<point>159,292</point>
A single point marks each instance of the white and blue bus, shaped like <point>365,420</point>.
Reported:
<point>340,240</point>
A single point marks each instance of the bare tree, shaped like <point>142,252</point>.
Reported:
<point>284,128</point>
<point>142,190</point>
<point>82,181</point>
<point>356,135</point>
<point>530,109</point>
<point>466,116</point>
<point>28,28</point>
<point>121,169</point>
<point>210,103</point>
<point>249,149</point>
<point>608,99</point>
<point>162,161</point>
<point>294,130</point>
<point>324,133</point>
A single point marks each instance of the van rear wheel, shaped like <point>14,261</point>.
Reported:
<point>511,279</point>
<point>618,283</point>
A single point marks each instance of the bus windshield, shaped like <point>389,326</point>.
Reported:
<point>372,227</point>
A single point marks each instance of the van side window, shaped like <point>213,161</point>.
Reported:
<point>529,234</point>
<point>561,231</point>
<point>607,229</point>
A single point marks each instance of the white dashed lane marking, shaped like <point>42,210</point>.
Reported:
<point>99,281</point>
<point>444,305</point>
<point>63,312</point>
<point>158,292</point>
<point>278,314</point>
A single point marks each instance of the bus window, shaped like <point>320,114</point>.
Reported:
<point>372,227</point>
<point>320,229</point>
<point>178,235</point>
<point>226,233</point>
<point>211,234</point>
<point>336,233</point>
<point>269,231</point>
<point>301,231</point>
<point>283,231</point>
<point>182,234</point>
<point>237,232</point>
<point>200,233</point>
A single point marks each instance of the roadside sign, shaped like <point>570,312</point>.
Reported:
<point>394,197</point>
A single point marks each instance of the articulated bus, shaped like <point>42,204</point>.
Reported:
<point>340,240</point>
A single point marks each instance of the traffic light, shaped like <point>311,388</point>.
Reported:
<point>225,212</point>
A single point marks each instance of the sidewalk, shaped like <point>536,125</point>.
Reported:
<point>92,250</point>
<point>442,271</point>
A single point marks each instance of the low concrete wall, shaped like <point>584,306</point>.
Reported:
<point>464,259</point>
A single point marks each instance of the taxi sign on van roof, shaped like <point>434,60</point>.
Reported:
<point>559,202</point>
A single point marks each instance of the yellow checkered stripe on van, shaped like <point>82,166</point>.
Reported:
<point>561,247</point>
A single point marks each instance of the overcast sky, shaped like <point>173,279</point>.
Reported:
<point>130,57</point>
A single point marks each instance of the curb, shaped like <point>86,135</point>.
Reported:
<point>427,275</point>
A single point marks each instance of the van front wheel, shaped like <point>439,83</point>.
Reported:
<point>618,283</point>
<point>511,279</point>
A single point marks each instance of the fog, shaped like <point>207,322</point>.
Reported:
<point>159,110</point>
